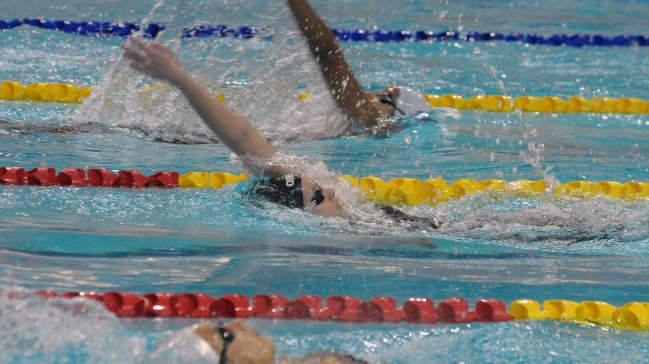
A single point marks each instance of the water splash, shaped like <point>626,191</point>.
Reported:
<point>535,146</point>
<point>260,78</point>
<point>563,222</point>
<point>36,329</point>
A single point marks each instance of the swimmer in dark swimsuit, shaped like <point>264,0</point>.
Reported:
<point>286,187</point>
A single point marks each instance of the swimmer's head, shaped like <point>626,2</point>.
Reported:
<point>404,100</point>
<point>298,192</point>
<point>206,342</point>
<point>285,190</point>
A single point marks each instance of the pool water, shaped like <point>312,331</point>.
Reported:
<point>215,242</point>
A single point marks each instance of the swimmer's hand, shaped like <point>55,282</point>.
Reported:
<point>155,60</point>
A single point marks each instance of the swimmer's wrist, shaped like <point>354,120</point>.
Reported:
<point>180,79</point>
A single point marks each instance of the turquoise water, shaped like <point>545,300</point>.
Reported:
<point>212,241</point>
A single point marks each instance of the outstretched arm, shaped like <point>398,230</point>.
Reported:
<point>340,79</point>
<point>234,130</point>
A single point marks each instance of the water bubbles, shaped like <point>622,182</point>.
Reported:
<point>536,148</point>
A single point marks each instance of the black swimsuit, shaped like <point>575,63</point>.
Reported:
<point>399,215</point>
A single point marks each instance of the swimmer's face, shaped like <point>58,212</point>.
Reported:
<point>385,108</point>
<point>248,346</point>
<point>329,207</point>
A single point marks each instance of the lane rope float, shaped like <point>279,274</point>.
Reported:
<point>395,192</point>
<point>125,29</point>
<point>542,104</point>
<point>68,93</point>
<point>43,92</point>
<point>382,309</point>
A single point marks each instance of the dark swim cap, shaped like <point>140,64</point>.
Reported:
<point>285,190</point>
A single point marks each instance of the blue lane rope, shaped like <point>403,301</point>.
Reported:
<point>118,29</point>
<point>575,40</point>
<point>91,28</point>
<point>122,30</point>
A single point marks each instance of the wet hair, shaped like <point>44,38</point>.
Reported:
<point>285,190</point>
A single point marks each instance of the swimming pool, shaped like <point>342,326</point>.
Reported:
<point>211,241</point>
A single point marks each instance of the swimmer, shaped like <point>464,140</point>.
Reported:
<point>368,108</point>
<point>286,187</point>
<point>206,342</point>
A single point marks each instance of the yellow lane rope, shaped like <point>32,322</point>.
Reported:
<point>632,316</point>
<point>66,93</point>
<point>413,191</point>
<point>43,91</point>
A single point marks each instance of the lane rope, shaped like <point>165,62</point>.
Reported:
<point>395,192</point>
<point>68,93</point>
<point>43,92</point>
<point>89,28</point>
<point>382,309</point>
<point>125,29</point>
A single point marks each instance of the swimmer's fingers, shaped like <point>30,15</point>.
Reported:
<point>136,45</point>
<point>142,68</point>
<point>138,61</point>
<point>139,51</point>
<point>136,42</point>
<point>158,48</point>
<point>134,53</point>
<point>155,59</point>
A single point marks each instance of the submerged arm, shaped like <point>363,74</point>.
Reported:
<point>234,130</point>
<point>340,79</point>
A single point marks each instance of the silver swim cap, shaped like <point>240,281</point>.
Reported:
<point>411,102</point>
<point>185,346</point>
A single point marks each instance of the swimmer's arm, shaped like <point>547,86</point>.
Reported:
<point>234,130</point>
<point>340,79</point>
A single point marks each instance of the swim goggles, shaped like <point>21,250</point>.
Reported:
<point>407,102</point>
<point>317,198</point>
<point>227,335</point>
<point>388,99</point>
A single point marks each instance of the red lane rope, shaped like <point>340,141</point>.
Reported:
<point>77,177</point>
<point>382,309</point>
